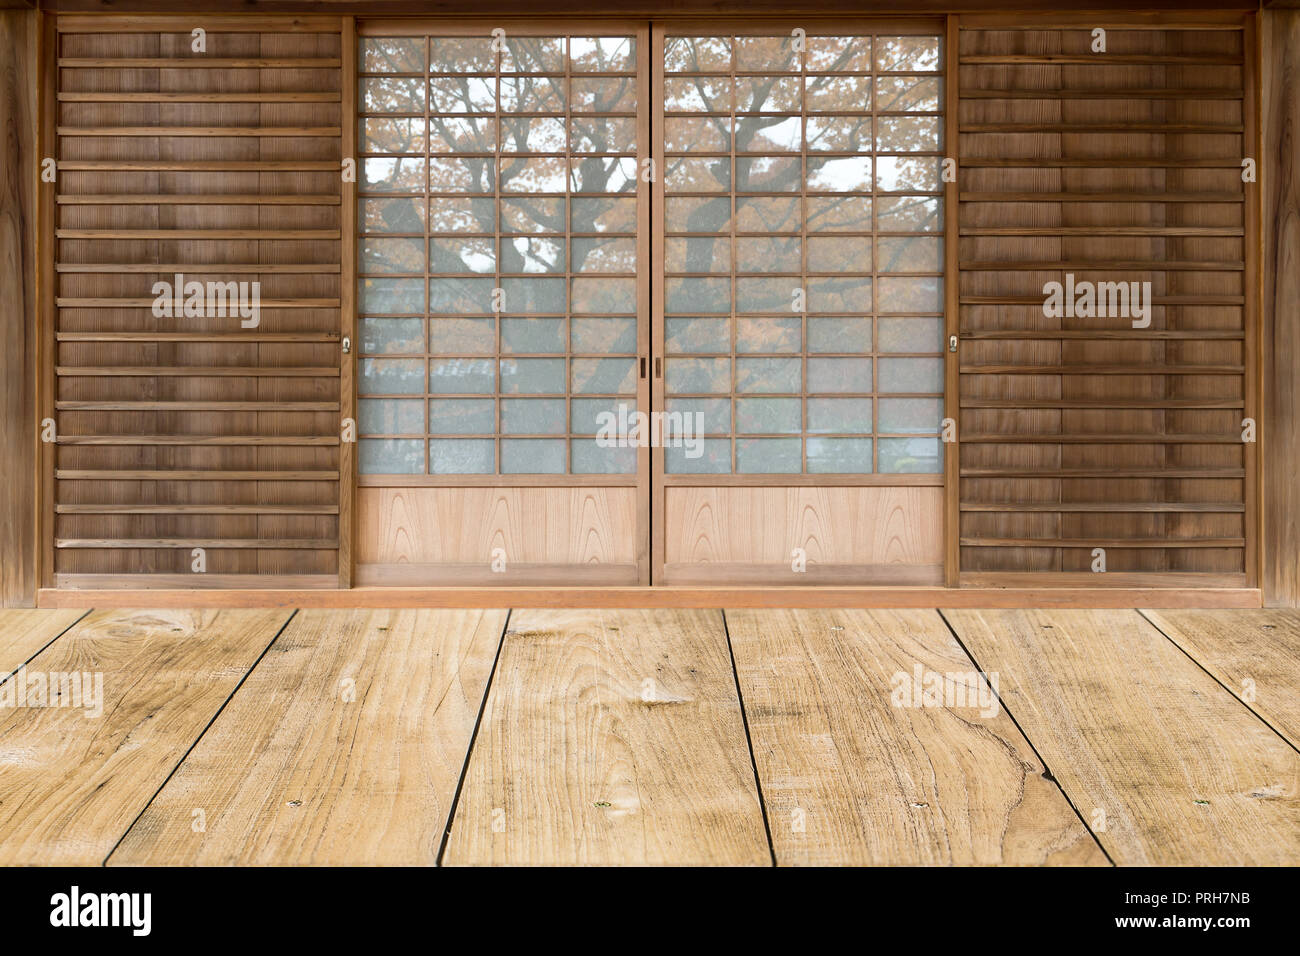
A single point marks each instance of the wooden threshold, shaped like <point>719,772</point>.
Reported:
<point>650,597</point>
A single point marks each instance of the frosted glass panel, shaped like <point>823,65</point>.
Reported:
<point>911,456</point>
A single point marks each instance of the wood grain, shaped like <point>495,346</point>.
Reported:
<point>19,138</point>
<point>414,536</point>
<point>1255,654</point>
<point>296,772</point>
<point>72,784</point>
<point>855,527</point>
<point>1280,345</point>
<point>1184,774</point>
<point>851,777</point>
<point>611,738</point>
<point>23,633</point>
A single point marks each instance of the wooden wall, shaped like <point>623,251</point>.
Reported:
<point>1280,354</point>
<point>19,45</point>
<point>1084,432</point>
<point>181,432</point>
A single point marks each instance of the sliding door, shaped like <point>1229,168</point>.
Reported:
<point>799,305</point>
<point>503,303</point>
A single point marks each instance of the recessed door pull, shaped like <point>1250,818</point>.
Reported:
<point>347,345</point>
<point>952,343</point>
<point>659,368</point>
<point>643,366</point>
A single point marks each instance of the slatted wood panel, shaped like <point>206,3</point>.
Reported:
<point>1116,166</point>
<point>175,433</point>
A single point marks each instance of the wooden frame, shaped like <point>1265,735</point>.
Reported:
<point>652,483</point>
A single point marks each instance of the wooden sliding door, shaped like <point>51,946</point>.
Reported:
<point>1114,448</point>
<point>503,303</point>
<point>799,303</point>
<point>191,442</point>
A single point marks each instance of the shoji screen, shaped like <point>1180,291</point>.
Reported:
<point>1087,437</point>
<point>196,431</point>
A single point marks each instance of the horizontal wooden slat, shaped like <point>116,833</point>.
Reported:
<point>214,23</point>
<point>1103,369</point>
<point>1207,473</point>
<point>251,440</point>
<point>200,268</point>
<point>129,474</point>
<point>1104,507</point>
<point>240,336</point>
<point>1099,230</point>
<point>176,371</point>
<point>145,303</point>
<point>276,544</point>
<point>189,509</point>
<point>1106,334</point>
<point>247,97</point>
<point>1114,197</point>
<point>197,63</point>
<point>1084,129</point>
<point>201,199</point>
<point>1105,59</point>
<point>1100,162</point>
<point>1076,93</point>
<point>207,132</point>
<point>1143,543</point>
<point>268,406</point>
<point>198,165</point>
<point>1155,300</point>
<point>250,235</point>
<point>1108,438</point>
<point>1158,403</point>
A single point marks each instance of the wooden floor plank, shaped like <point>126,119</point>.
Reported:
<point>71,783</point>
<point>611,737</point>
<point>304,768</point>
<point>24,632</point>
<point>1254,653</point>
<point>854,772</point>
<point>1184,774</point>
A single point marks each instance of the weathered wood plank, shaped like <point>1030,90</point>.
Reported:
<point>611,737</point>
<point>71,783</point>
<point>854,772</point>
<point>19,40</point>
<point>1183,773</point>
<point>23,633</point>
<point>1255,654</point>
<point>303,768</point>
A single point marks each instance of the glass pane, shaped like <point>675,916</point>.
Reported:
<point>382,135</point>
<point>456,214</point>
<point>769,334</point>
<point>462,134</point>
<point>532,295</point>
<point>696,375</point>
<point>602,54</point>
<point>899,93</point>
<point>390,376</point>
<point>392,296</point>
<point>913,334</point>
<point>539,376</point>
<point>704,416</point>
<point>535,254</point>
<point>603,296</point>
<point>533,134</point>
<point>452,336</point>
<point>393,174</point>
<point>390,215</point>
<point>769,254</point>
<point>390,416</point>
<point>839,375</point>
<point>533,55</point>
<point>909,214</point>
<point>604,255</point>
<point>838,416</point>
<point>697,335</point>
<point>698,94</point>
<point>589,458</point>
<point>461,295</point>
<point>459,255</point>
<point>697,254</point>
<point>768,374</point>
<point>849,334</point>
<point>697,54</point>
<point>462,55</point>
<point>532,335</point>
<point>588,416</point>
<point>840,175</point>
<point>462,416</point>
<point>462,94</point>
<point>777,294</point>
<point>839,254</point>
<point>532,416</point>
<point>900,174</point>
<point>907,54</point>
<point>459,376</point>
<point>839,456</point>
<point>391,94</point>
<point>603,376</point>
<point>910,254</point>
<point>390,456</point>
<point>533,456</point>
<point>767,214</point>
<point>907,134</point>
<point>769,415</point>
<point>767,456</point>
<point>392,55</point>
<point>911,456</point>
<point>839,214</point>
<point>707,456</point>
<point>461,456</point>
<point>767,94</point>
<point>766,53</point>
<point>838,93</point>
<point>391,336</point>
<point>911,415</point>
<point>848,54</point>
<point>911,375</point>
<point>709,134</point>
<point>922,294</point>
<point>607,95</point>
<point>603,214</point>
<point>603,135</point>
<point>603,336</point>
<point>840,133</point>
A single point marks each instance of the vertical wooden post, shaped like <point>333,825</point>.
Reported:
<point>952,318</point>
<point>19,172</point>
<point>1279,167</point>
<point>348,300</point>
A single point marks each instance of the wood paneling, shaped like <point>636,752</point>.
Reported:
<point>72,783</point>
<point>19,143</point>
<point>429,536</point>
<point>747,535</point>
<point>855,772</point>
<point>1116,166</point>
<point>177,433</point>
<point>1280,326</point>
<point>1181,772</point>
<point>611,738</point>
<point>339,772</point>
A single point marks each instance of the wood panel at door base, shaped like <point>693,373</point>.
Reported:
<point>645,597</point>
